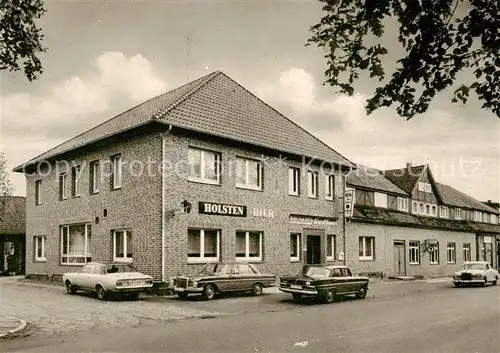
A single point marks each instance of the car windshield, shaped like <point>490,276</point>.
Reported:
<point>116,268</point>
<point>211,268</point>
<point>473,267</point>
<point>315,272</point>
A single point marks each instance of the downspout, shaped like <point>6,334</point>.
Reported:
<point>163,183</point>
<point>343,218</point>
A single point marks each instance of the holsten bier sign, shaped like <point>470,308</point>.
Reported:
<point>222,209</point>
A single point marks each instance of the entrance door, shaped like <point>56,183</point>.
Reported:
<point>399,258</point>
<point>313,249</point>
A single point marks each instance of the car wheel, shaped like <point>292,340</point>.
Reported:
<point>362,293</point>
<point>209,292</point>
<point>257,289</point>
<point>182,295</point>
<point>69,288</point>
<point>484,282</point>
<point>495,281</point>
<point>101,292</point>
<point>329,296</point>
<point>296,296</point>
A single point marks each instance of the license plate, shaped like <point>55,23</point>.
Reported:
<point>137,281</point>
<point>294,286</point>
<point>177,289</point>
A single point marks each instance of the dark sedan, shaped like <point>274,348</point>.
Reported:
<point>218,278</point>
<point>324,283</point>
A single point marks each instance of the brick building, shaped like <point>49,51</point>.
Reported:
<point>12,234</point>
<point>404,223</point>
<point>206,172</point>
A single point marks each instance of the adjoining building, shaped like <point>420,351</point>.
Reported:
<point>204,173</point>
<point>12,235</point>
<point>404,223</point>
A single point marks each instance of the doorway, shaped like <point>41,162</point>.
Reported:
<point>313,256</point>
<point>399,258</point>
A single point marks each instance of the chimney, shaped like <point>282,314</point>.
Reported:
<point>408,165</point>
<point>489,201</point>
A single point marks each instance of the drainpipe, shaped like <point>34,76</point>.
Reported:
<point>163,179</point>
<point>343,218</point>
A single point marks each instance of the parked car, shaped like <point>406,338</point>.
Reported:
<point>217,278</point>
<point>105,278</point>
<point>324,283</point>
<point>477,273</point>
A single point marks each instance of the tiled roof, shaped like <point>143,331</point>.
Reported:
<point>405,178</point>
<point>453,197</point>
<point>12,215</point>
<point>370,178</point>
<point>215,105</point>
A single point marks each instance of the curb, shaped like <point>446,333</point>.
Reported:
<point>21,326</point>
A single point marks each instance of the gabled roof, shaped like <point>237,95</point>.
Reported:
<point>406,178</point>
<point>453,197</point>
<point>214,105</point>
<point>370,178</point>
<point>12,215</point>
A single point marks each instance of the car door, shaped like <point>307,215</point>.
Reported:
<point>490,276</point>
<point>247,277</point>
<point>350,284</point>
<point>336,280</point>
<point>223,280</point>
<point>84,276</point>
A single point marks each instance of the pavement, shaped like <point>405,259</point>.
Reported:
<point>11,325</point>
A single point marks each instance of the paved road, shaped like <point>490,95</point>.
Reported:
<point>440,320</point>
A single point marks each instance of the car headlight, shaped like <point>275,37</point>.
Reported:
<point>120,282</point>
<point>308,283</point>
<point>195,283</point>
<point>477,275</point>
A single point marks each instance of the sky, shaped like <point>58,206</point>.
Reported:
<point>105,57</point>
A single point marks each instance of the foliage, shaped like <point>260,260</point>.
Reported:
<point>20,39</point>
<point>6,187</point>
<point>438,42</point>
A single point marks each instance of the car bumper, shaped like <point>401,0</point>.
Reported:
<point>188,290</point>
<point>472,281</point>
<point>126,289</point>
<point>299,291</point>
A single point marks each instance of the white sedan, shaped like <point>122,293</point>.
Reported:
<point>104,278</point>
<point>475,272</point>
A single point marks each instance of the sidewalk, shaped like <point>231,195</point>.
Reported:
<point>10,325</point>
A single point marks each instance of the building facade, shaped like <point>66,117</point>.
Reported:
<point>12,235</point>
<point>406,224</point>
<point>204,173</point>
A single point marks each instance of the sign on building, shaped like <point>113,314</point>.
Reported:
<point>221,209</point>
<point>349,202</point>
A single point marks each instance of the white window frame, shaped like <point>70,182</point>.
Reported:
<point>333,246</point>
<point>402,204</point>
<point>380,200</point>
<point>203,178</point>
<point>466,251</point>
<point>43,257</point>
<point>247,258</point>
<point>478,216</point>
<point>312,184</point>
<point>414,252</point>
<point>63,185</point>
<point>421,208</point>
<point>294,181</point>
<point>75,182</point>
<point>38,192</point>
<point>486,217</point>
<point>425,187</point>
<point>329,186</point>
<point>434,210</point>
<point>414,207</point>
<point>297,244</point>
<point>372,245</point>
<point>68,256</point>
<point>246,185</point>
<point>434,254</point>
<point>451,253</point>
<point>116,164</point>
<point>95,166</point>
<point>457,213</point>
<point>443,211</point>
<point>125,258</point>
<point>202,258</point>
<point>494,219</point>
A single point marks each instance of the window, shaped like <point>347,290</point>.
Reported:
<point>38,192</point>
<point>203,245</point>
<point>458,213</point>
<point>414,252</point>
<point>478,216</point>
<point>122,245</point>
<point>486,217</point>
<point>76,244</point>
<point>94,176</point>
<point>451,254</point>
<point>421,209</point>
<point>63,186</point>
<point>116,172</point>
<point>331,247</point>
<point>402,204</point>
<point>312,184</point>
<point>380,200</point>
<point>443,212</point>
<point>330,186</point>
<point>248,174</point>
<point>427,210</point>
<point>434,254</point>
<point>466,251</point>
<point>434,210</point>
<point>366,248</point>
<point>295,247</point>
<point>294,181</point>
<point>75,183</point>
<point>40,248</point>
<point>414,207</point>
<point>249,246</point>
<point>494,219</point>
<point>425,187</point>
<point>204,166</point>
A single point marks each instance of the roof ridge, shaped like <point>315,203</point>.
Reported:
<point>468,196</point>
<point>203,81</point>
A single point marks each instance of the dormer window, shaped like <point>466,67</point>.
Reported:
<point>402,204</point>
<point>380,200</point>
<point>425,187</point>
<point>458,213</point>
